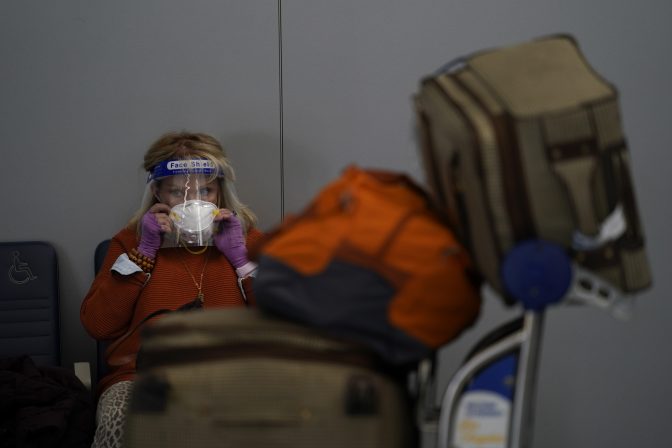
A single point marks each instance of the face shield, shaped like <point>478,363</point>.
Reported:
<point>191,189</point>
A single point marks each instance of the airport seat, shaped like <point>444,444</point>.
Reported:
<point>29,302</point>
<point>99,255</point>
<point>44,403</point>
<point>101,346</point>
<point>30,305</point>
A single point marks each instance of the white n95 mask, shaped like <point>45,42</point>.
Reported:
<point>193,221</point>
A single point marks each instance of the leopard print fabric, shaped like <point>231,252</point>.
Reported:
<point>111,414</point>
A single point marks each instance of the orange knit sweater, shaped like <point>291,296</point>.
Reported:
<point>116,303</point>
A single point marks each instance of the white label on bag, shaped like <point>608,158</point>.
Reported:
<point>611,228</point>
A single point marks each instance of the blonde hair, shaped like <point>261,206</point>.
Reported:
<point>189,145</point>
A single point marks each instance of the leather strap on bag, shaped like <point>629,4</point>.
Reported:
<point>575,164</point>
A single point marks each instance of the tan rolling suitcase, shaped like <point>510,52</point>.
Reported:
<point>526,142</point>
<point>236,378</point>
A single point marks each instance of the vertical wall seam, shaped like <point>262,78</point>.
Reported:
<point>280,93</point>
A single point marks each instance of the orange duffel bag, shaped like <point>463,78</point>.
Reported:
<point>371,261</point>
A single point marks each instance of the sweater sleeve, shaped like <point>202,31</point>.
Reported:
<point>247,284</point>
<point>107,309</point>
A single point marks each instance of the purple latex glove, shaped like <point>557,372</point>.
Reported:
<point>150,239</point>
<point>231,242</point>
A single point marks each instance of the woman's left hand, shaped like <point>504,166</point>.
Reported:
<point>230,239</point>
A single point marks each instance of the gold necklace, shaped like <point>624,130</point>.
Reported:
<point>199,284</point>
<point>197,252</point>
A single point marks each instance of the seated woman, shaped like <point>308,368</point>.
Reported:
<point>185,247</point>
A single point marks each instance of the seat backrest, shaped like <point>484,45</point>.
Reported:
<point>29,302</point>
<point>98,257</point>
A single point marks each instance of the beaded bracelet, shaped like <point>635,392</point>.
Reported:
<point>144,262</point>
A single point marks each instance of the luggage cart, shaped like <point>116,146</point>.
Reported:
<point>489,401</point>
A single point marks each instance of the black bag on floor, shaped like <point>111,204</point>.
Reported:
<point>43,406</point>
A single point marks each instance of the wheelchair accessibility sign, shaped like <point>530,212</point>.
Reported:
<point>19,271</point>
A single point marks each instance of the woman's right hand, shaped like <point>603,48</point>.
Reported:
<point>154,224</point>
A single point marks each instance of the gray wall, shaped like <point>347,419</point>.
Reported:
<point>85,86</point>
